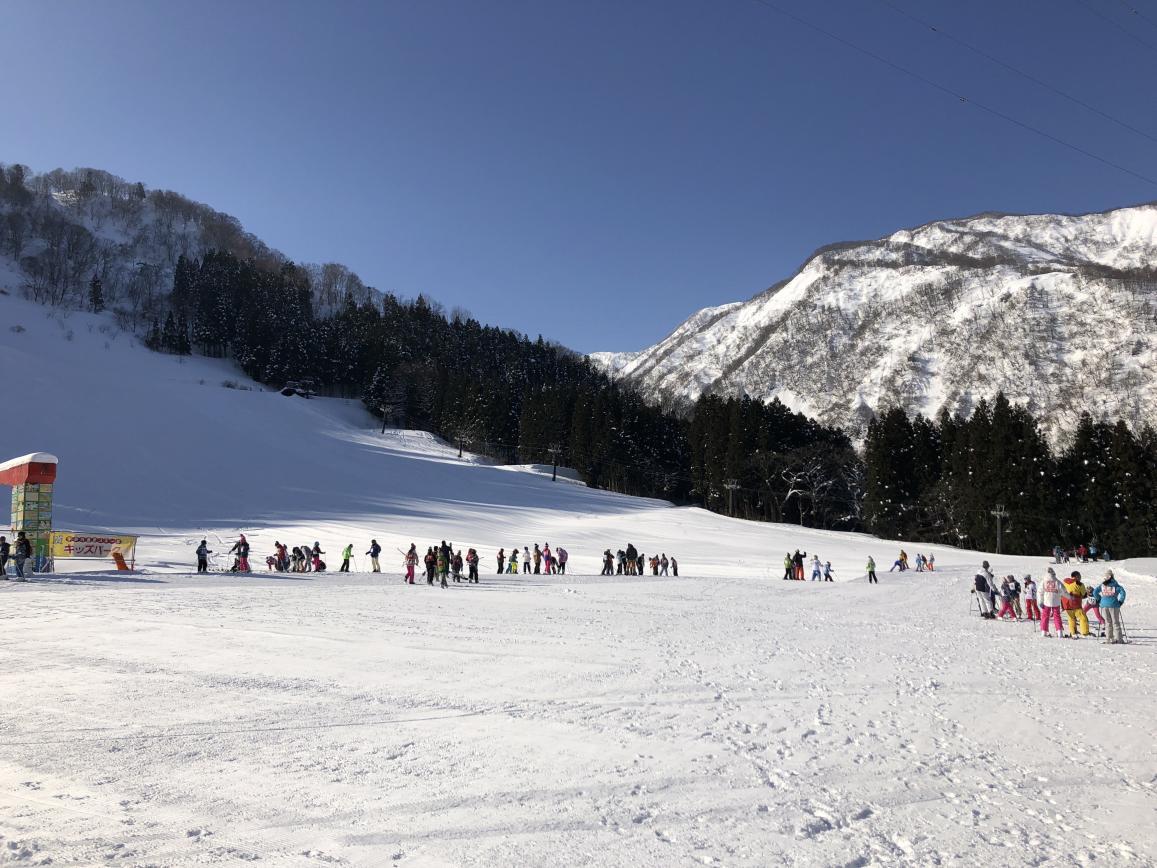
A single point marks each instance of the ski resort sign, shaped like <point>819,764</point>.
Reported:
<point>97,546</point>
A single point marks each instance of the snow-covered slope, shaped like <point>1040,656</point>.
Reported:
<point>1059,312</point>
<point>721,718</point>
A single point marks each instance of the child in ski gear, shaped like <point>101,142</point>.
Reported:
<point>1030,607</point>
<point>608,563</point>
<point>456,566</point>
<point>1051,592</point>
<point>374,551</point>
<point>787,567</point>
<point>1071,602</point>
<point>1007,594</point>
<point>411,562</point>
<point>203,553</point>
<point>537,559</point>
<point>241,547</point>
<point>1110,597</point>
<point>547,559</point>
<point>674,567</point>
<point>930,563</point>
<point>472,565</point>
<point>346,554</point>
<point>828,571</point>
<point>642,562</point>
<point>430,562</point>
<point>512,567</point>
<point>815,568</point>
<point>872,580</point>
<point>6,550</point>
<point>501,558</point>
<point>561,557</point>
<point>654,565</point>
<point>663,564</point>
<point>1091,604</point>
<point>526,559</point>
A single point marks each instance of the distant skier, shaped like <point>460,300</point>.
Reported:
<point>828,571</point>
<point>411,561</point>
<point>654,565</point>
<point>788,564</point>
<point>526,559</point>
<point>816,569</point>
<point>443,568</point>
<point>374,551</point>
<point>608,563</point>
<point>930,563</point>
<point>346,554</point>
<point>1110,596</point>
<point>307,558</point>
<point>203,553</point>
<point>537,559</point>
<point>316,552</point>
<point>512,567</point>
<point>642,560</point>
<point>561,556</point>
<point>1007,595</point>
<point>472,566</point>
<point>5,552</point>
<point>663,564</point>
<point>547,559</point>
<point>241,548</point>
<point>501,558</point>
<point>872,580</point>
<point>21,553</point>
<point>431,562</point>
<point>674,567</point>
<point>797,564</point>
<point>456,566</point>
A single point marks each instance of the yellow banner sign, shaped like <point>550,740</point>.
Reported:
<point>75,544</point>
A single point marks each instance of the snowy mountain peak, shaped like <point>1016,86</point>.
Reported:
<point>1057,311</point>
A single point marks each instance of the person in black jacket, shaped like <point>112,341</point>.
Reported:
<point>5,551</point>
<point>203,553</point>
<point>374,551</point>
<point>22,553</point>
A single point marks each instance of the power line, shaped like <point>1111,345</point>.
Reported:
<point>947,90</point>
<point>1112,21</point>
<point>982,53</point>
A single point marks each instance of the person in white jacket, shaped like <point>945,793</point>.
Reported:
<point>1050,592</point>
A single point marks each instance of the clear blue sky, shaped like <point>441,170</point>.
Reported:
<point>593,170</point>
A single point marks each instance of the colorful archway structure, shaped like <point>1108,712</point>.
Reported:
<point>32,478</point>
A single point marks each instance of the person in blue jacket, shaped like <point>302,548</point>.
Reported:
<point>1110,597</point>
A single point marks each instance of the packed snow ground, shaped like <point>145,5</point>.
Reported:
<point>725,717</point>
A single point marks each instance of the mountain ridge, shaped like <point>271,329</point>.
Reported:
<point>814,338</point>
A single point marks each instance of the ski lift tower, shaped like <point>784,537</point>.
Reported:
<point>32,478</point>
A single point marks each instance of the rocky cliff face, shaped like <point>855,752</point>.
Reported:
<point>1058,312</point>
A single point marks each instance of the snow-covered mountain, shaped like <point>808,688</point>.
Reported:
<point>60,228</point>
<point>1058,311</point>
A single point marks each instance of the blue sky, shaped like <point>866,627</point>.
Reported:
<point>591,170</point>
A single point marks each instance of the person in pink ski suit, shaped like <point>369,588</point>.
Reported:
<point>411,562</point>
<point>1050,602</point>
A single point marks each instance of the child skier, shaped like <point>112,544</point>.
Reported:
<point>411,561</point>
<point>872,580</point>
<point>815,568</point>
<point>1071,601</point>
<point>472,564</point>
<point>512,567</point>
<point>787,563</point>
<point>1051,592</point>
<point>374,551</point>
<point>1007,594</point>
<point>203,553</point>
<point>1032,612</point>
<point>346,554</point>
<point>501,558</point>
<point>241,547</point>
<point>828,571</point>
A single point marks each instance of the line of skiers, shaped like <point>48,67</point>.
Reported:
<point>793,568</point>
<point>441,562</point>
<point>543,560</point>
<point>1054,596</point>
<point>18,552</point>
<point>923,563</point>
<point>1083,553</point>
<point>630,561</point>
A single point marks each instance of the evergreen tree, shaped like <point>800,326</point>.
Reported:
<point>96,294</point>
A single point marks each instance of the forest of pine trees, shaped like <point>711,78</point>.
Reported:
<point>500,393</point>
<point>942,480</point>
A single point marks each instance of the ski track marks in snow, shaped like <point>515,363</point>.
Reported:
<point>355,721</point>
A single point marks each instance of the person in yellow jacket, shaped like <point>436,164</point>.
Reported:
<point>1072,600</point>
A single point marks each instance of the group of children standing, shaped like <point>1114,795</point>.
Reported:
<point>1054,596</point>
<point>542,559</point>
<point>793,568</point>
